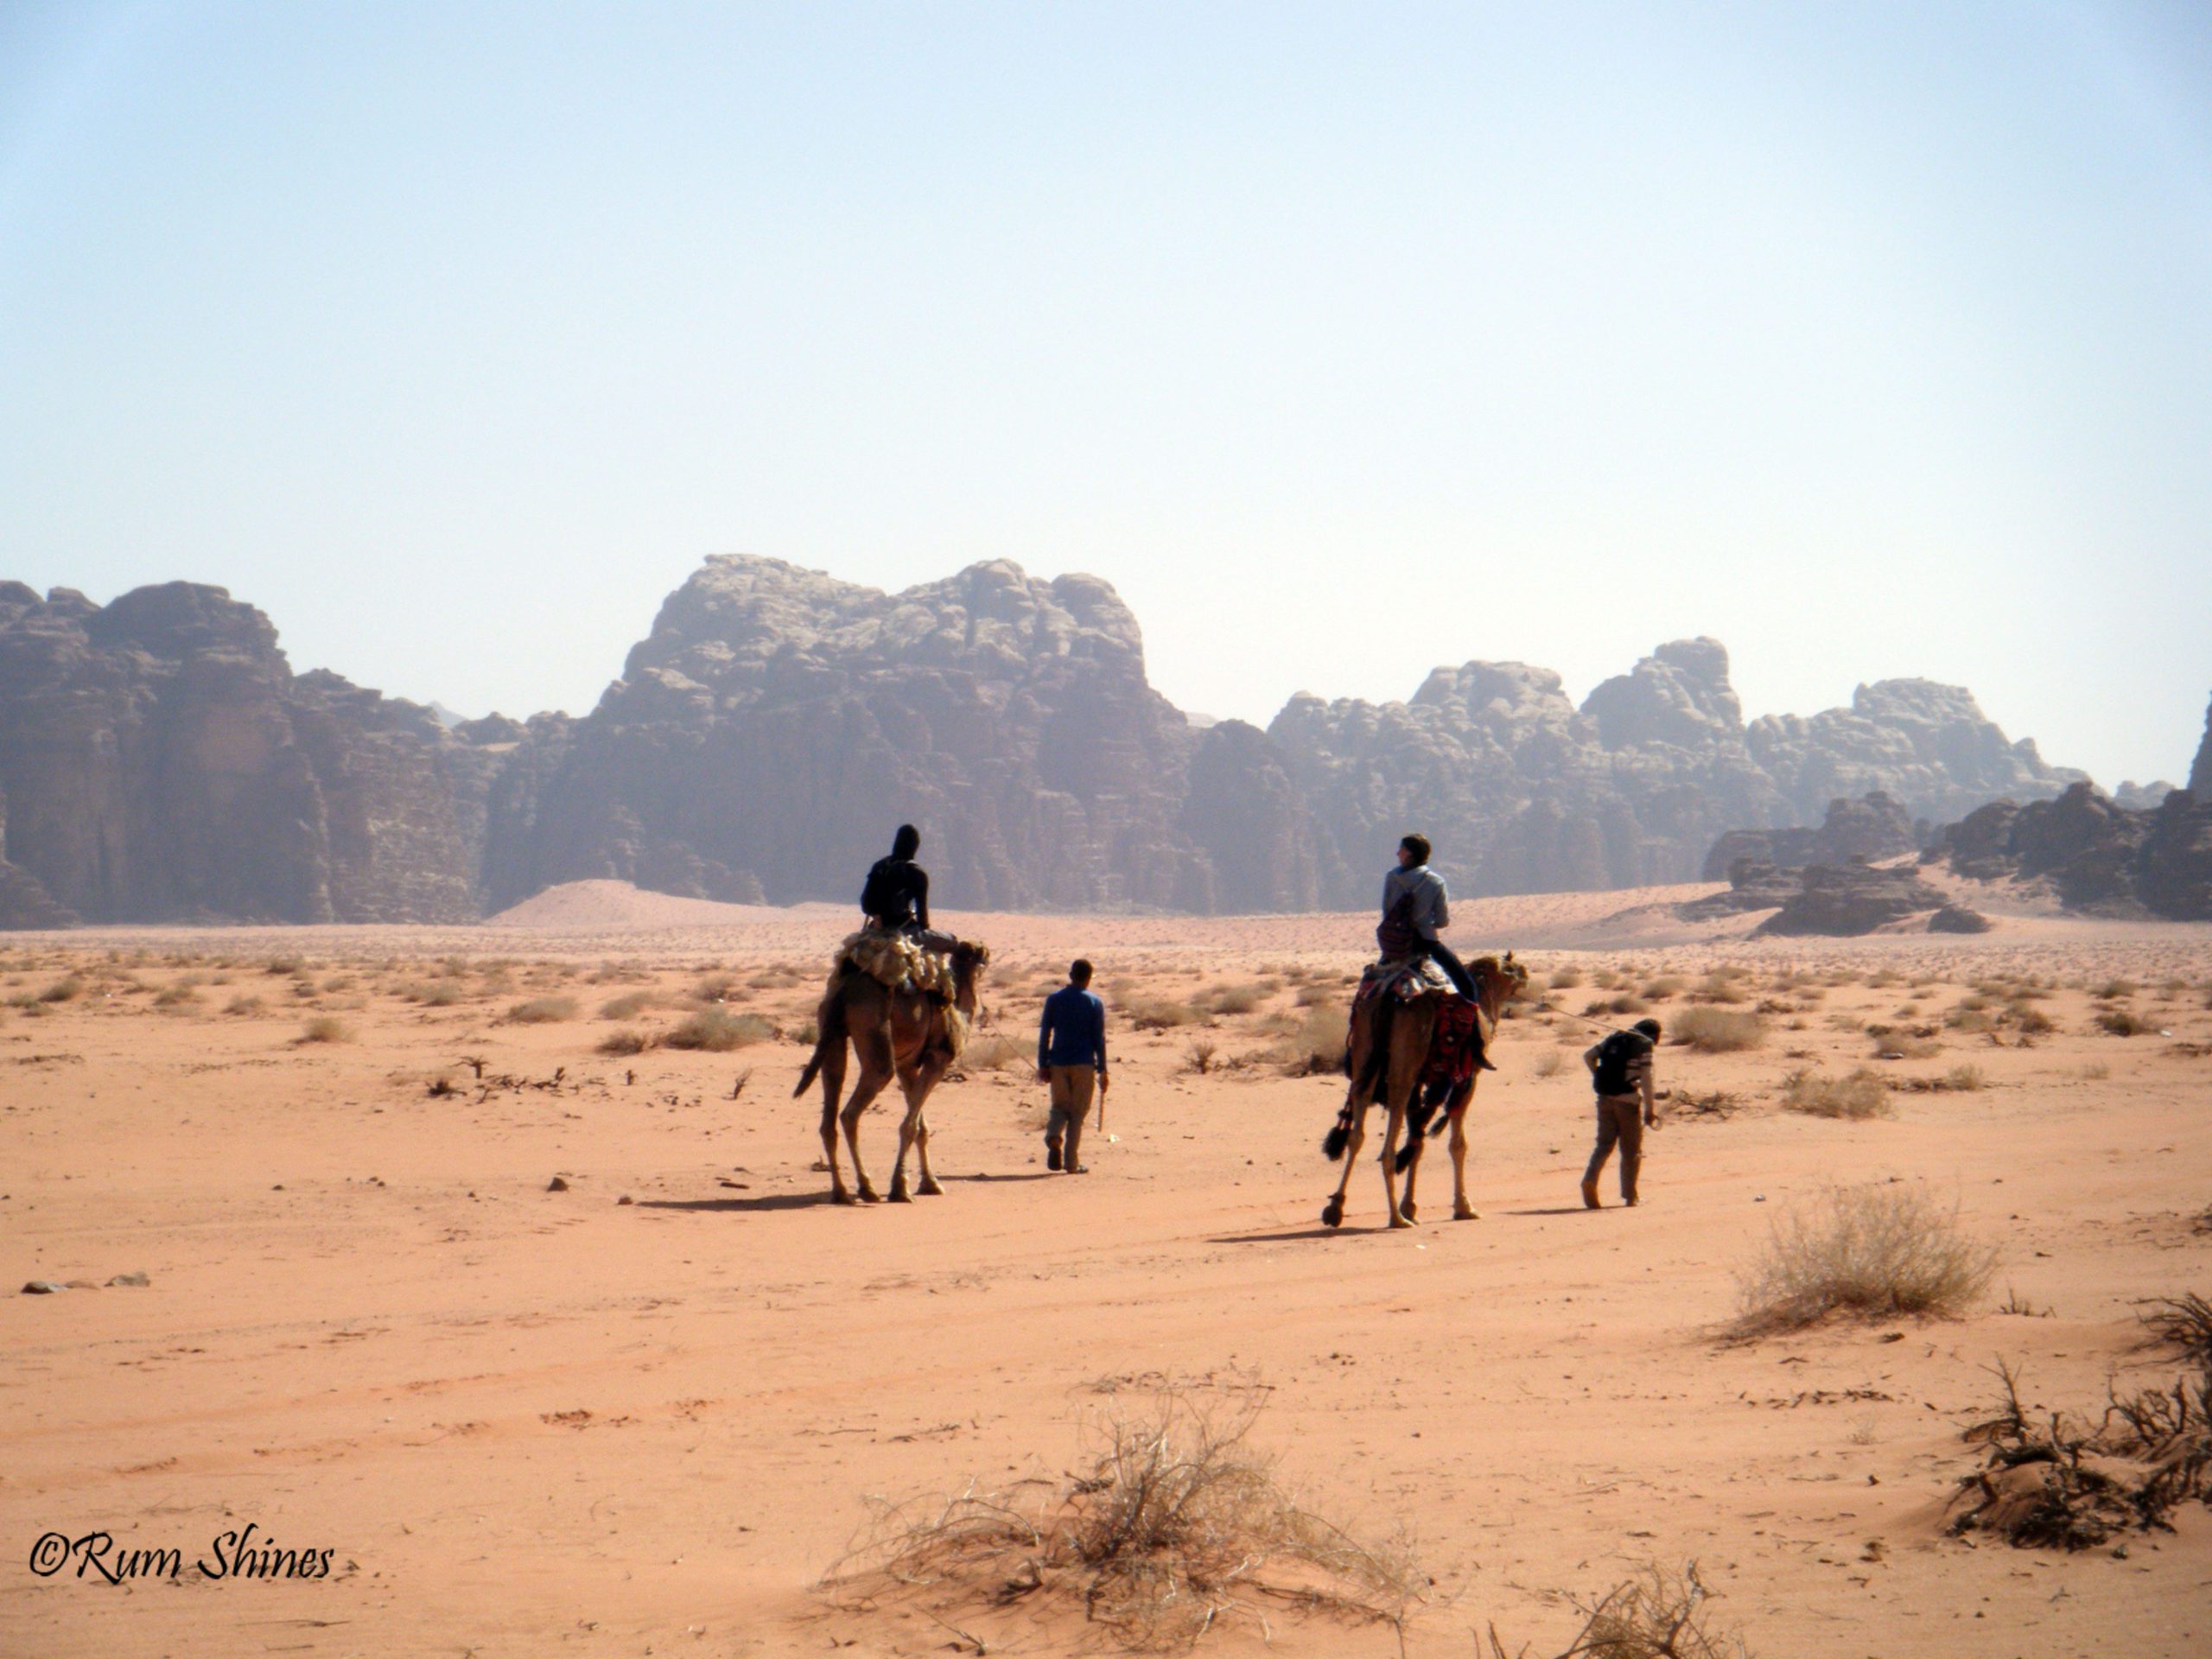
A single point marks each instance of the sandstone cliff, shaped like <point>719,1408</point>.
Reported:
<point>2094,856</point>
<point>2200,772</point>
<point>160,761</point>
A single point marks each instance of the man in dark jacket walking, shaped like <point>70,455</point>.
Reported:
<point>1620,1071</point>
<point>1071,1060</point>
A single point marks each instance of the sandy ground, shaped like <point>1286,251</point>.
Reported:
<point>527,1421</point>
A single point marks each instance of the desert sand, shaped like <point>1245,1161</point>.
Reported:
<point>645,1414</point>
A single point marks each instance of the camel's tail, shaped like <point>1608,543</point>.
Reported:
<point>1368,1085</point>
<point>831,1036</point>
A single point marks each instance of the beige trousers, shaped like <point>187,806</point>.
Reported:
<point>1072,1087</point>
<point>1619,1118</point>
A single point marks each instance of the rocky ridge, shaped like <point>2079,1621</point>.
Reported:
<point>159,760</point>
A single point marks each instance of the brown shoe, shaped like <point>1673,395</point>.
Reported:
<point>1589,1195</point>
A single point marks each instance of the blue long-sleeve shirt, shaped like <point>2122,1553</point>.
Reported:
<point>1073,1030</point>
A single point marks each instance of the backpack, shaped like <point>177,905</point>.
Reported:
<point>1615,1055</point>
<point>877,892</point>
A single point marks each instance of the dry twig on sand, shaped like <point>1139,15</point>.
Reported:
<point>1659,1614</point>
<point>1178,1525</point>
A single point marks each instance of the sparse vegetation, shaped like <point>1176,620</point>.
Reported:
<point>627,1040</point>
<point>543,1010</point>
<point>1177,1526</point>
<point>1873,1251</point>
<point>1860,1093</point>
<point>717,1031</point>
<point>2123,1022</point>
<point>1716,1030</point>
<point>1159,1013</point>
<point>325,1029</point>
<point>1659,1614</point>
<point>994,1051</point>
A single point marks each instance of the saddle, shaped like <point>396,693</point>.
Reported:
<point>898,962</point>
<point>1455,1052</point>
<point>1407,978</point>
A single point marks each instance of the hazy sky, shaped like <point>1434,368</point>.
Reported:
<point>1346,340</point>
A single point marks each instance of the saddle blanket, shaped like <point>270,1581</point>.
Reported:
<point>897,962</point>
<point>1407,978</point>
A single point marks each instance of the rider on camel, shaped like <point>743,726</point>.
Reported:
<point>1416,906</point>
<point>896,895</point>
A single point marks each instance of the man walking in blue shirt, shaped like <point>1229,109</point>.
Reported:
<point>1070,1059</point>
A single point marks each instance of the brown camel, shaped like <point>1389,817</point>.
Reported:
<point>1386,1066</point>
<point>911,1035</point>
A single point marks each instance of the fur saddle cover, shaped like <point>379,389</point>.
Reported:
<point>897,963</point>
<point>1407,978</point>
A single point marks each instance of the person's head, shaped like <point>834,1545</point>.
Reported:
<point>906,842</point>
<point>1647,1027</point>
<point>1079,973</point>
<point>1411,851</point>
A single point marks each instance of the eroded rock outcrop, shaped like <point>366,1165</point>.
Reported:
<point>1848,900</point>
<point>160,761</point>
<point>2200,771</point>
<point>2094,855</point>
<point>1872,829</point>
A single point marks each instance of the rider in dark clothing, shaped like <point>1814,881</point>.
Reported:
<point>896,896</point>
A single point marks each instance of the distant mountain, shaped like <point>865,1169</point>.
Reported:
<point>159,759</point>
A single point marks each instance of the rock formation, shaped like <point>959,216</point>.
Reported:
<point>1847,900</point>
<point>2200,772</point>
<point>159,761</point>
<point>2095,855</point>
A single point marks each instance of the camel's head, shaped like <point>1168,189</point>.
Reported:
<point>1503,979</point>
<point>969,961</point>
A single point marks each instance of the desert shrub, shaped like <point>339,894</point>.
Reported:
<point>543,1010</point>
<point>243,1004</point>
<point>1965,1019</point>
<point>994,1051</point>
<point>2115,989</point>
<point>1159,1013</point>
<point>809,1031</point>
<point>1234,999</point>
<point>1199,1057</point>
<point>177,995</point>
<point>1716,1030</point>
<point>1311,993</point>
<point>2032,1021</point>
<point>1627,1002</point>
<point>718,1030</point>
<point>1860,1093</point>
<point>2123,1022</point>
<point>1874,1251</point>
<point>1565,979</point>
<point>628,1041</point>
<point>1659,990</point>
<point>67,989</point>
<point>716,988</point>
<point>284,965</point>
<point>1177,1526</point>
<point>1550,1063</point>
<point>1963,1079</point>
<point>1904,1044</point>
<point>1318,1048</point>
<point>1660,1614</point>
<point>1721,986</point>
<point>325,1029</point>
<point>628,1005</point>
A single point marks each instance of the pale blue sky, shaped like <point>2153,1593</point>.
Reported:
<point>1346,340</point>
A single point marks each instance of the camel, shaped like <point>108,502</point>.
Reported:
<point>1390,1072</point>
<point>911,1035</point>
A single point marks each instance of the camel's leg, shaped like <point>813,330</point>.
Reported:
<point>1332,1212</point>
<point>1413,1167</point>
<point>915,1082</point>
<point>1390,1132</point>
<point>873,1048</point>
<point>927,1187</point>
<point>1461,1210</point>
<point>833,1085</point>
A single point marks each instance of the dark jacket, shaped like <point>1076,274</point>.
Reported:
<point>896,894</point>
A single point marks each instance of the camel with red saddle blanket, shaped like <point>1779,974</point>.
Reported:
<point>1415,1046</point>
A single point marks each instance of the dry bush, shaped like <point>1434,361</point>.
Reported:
<point>544,1010</point>
<point>1197,1059</point>
<point>177,995</point>
<point>1625,1003</point>
<point>284,965</point>
<point>67,989</point>
<point>1235,999</point>
<point>2112,989</point>
<point>431,993</point>
<point>2059,1480</point>
<point>1890,1043</point>
<point>1312,992</point>
<point>1963,1079</point>
<point>1861,1094</point>
<point>716,988</point>
<point>1178,1525</point>
<point>1550,1063</point>
<point>2125,1022</point>
<point>1659,1614</point>
<point>2182,1323</point>
<point>717,1030</point>
<point>2096,1072</point>
<point>994,1051</point>
<point>2032,1021</point>
<point>1565,979</point>
<point>809,1031</point>
<point>1722,986</point>
<point>325,1029</point>
<point>1716,1030</point>
<point>1319,1047</point>
<point>629,1006</point>
<point>1875,1250</point>
<point>1965,1019</point>
<point>1158,1013</point>
<point>628,1041</point>
<point>1666,986</point>
<point>243,1004</point>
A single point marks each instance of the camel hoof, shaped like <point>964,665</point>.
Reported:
<point>869,1195</point>
<point>842,1197</point>
<point>930,1190</point>
<point>1401,1220</point>
<point>1408,1210</point>
<point>1466,1212</point>
<point>1333,1213</point>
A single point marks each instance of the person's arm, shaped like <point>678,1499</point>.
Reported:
<point>1441,914</point>
<point>1590,1057</point>
<point>1643,1085</point>
<point>922,897</point>
<point>1044,1039</point>
<point>1100,1005</point>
